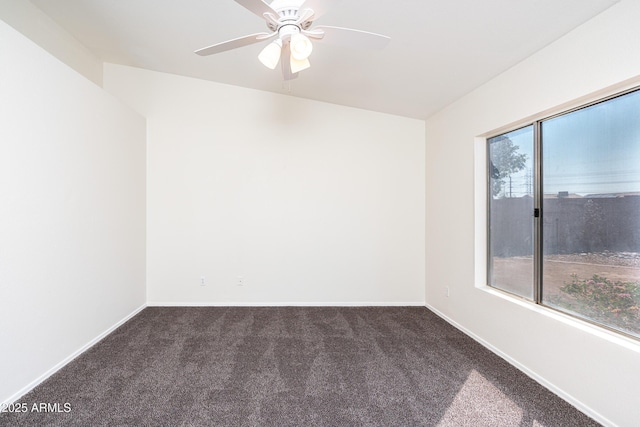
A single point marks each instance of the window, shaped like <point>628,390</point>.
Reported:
<point>511,206</point>
<point>564,212</point>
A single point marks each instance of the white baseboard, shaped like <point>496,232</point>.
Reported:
<point>33,384</point>
<point>533,375</point>
<point>284,304</point>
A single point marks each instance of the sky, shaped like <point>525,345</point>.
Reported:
<point>594,150</point>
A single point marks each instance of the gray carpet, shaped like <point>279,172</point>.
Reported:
<point>293,366</point>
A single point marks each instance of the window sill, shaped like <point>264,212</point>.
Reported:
<point>574,322</point>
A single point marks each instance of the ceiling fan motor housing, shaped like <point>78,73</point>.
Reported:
<point>288,16</point>
<point>286,31</point>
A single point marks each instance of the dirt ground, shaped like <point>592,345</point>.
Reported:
<point>516,274</point>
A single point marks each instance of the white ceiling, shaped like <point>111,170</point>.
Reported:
<point>439,50</point>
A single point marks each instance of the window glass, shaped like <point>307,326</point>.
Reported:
<point>591,212</point>
<point>511,202</point>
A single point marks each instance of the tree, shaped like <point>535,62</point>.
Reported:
<point>505,161</point>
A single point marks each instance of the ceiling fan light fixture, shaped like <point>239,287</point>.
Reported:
<point>298,65</point>
<point>270,55</point>
<point>301,46</point>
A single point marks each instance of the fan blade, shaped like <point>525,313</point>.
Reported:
<point>351,38</point>
<point>286,63</point>
<point>305,16</point>
<point>258,7</point>
<point>320,7</point>
<point>232,44</point>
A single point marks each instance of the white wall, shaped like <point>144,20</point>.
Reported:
<point>27,18</point>
<point>311,203</point>
<point>72,212</point>
<point>595,370</point>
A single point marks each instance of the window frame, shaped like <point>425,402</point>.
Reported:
<point>538,202</point>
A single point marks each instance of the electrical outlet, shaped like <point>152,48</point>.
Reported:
<point>240,281</point>
<point>203,281</point>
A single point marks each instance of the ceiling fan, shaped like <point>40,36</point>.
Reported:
<point>290,23</point>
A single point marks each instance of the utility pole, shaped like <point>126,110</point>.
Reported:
<point>510,192</point>
<point>529,182</point>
